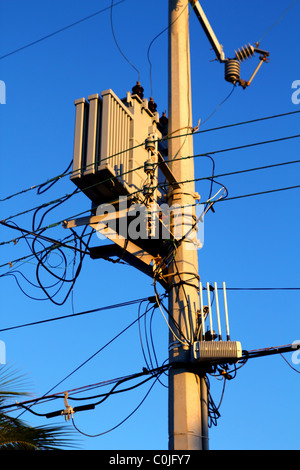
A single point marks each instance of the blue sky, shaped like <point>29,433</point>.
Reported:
<point>249,242</point>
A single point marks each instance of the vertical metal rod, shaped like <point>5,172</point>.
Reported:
<point>218,312</point>
<point>202,313</point>
<point>209,309</point>
<point>204,413</point>
<point>226,311</point>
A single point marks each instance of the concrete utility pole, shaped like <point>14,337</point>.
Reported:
<point>186,389</point>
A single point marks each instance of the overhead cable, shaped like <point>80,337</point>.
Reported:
<point>43,38</point>
<point>74,315</point>
<point>226,126</point>
<point>240,147</point>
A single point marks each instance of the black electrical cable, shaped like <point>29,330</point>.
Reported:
<point>140,333</point>
<point>73,315</point>
<point>95,354</point>
<point>120,423</point>
<point>42,188</point>
<point>61,201</point>
<point>42,258</point>
<point>103,396</point>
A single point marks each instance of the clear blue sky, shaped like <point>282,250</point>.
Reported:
<point>249,242</point>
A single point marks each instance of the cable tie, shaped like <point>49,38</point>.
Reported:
<point>196,128</point>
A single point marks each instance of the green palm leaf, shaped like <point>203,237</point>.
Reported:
<point>15,434</point>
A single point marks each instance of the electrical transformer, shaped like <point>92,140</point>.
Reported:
<point>109,145</point>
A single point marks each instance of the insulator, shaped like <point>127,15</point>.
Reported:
<point>150,143</point>
<point>152,105</point>
<point>138,90</point>
<point>149,167</point>
<point>163,120</point>
<point>148,191</point>
<point>232,71</point>
<point>244,53</point>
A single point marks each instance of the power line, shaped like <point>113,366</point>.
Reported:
<point>227,126</point>
<point>58,243</point>
<point>133,302</point>
<point>43,237</point>
<point>97,352</point>
<point>260,193</point>
<point>253,144</point>
<point>125,419</point>
<point>263,288</point>
<point>74,315</point>
<point>43,38</point>
<point>83,389</point>
<point>27,257</point>
<point>240,147</point>
<point>242,123</point>
<point>117,44</point>
<point>270,351</point>
<point>277,21</point>
<point>152,373</point>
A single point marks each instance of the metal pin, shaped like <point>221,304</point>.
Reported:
<point>202,312</point>
<point>218,311</point>
<point>209,309</point>
<point>226,311</point>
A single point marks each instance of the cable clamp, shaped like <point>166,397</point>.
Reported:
<point>68,412</point>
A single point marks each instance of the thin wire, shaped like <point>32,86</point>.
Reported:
<point>276,22</point>
<point>73,315</point>
<point>154,39</point>
<point>178,339</point>
<point>115,39</point>
<point>58,31</point>
<point>216,109</point>
<point>125,419</point>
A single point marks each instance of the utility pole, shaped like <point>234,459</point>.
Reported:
<point>186,389</point>
<point>105,130</point>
